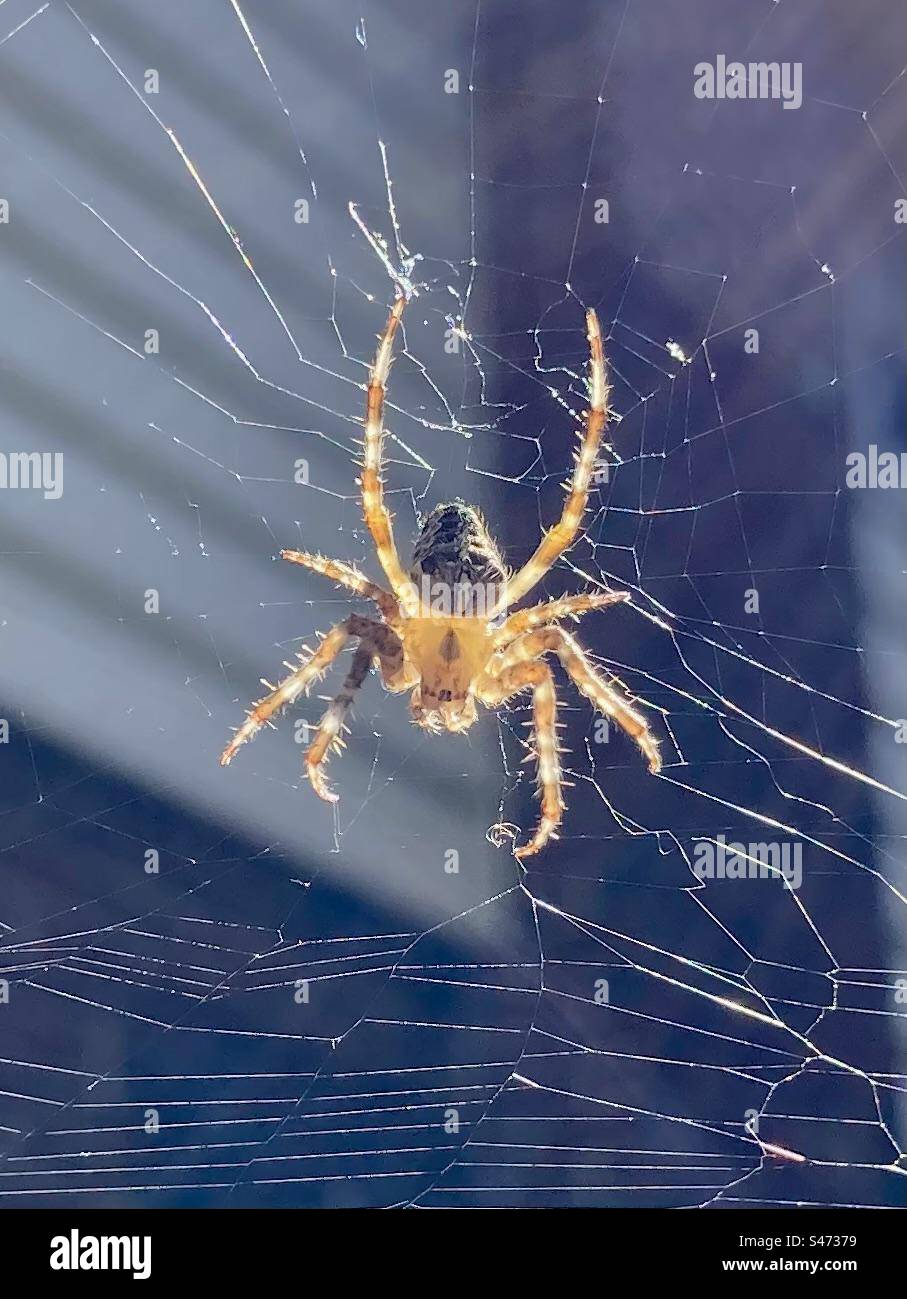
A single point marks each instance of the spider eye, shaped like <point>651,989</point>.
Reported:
<point>445,696</point>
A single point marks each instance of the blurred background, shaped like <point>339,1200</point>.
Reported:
<point>215,989</point>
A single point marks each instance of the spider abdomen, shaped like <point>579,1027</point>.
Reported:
<point>456,564</point>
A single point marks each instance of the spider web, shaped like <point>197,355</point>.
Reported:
<point>215,993</point>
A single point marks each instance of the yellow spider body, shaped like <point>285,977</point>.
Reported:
<point>444,632</point>
<point>449,654</point>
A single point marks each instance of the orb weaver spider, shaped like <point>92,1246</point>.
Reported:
<point>451,653</point>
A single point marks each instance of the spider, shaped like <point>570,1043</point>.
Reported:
<point>443,631</point>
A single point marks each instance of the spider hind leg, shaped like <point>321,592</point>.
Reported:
<point>300,680</point>
<point>330,728</point>
<point>383,646</point>
<point>605,697</point>
<point>495,691</point>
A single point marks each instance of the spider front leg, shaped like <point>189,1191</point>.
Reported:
<point>297,682</point>
<point>377,516</point>
<point>602,696</point>
<point>493,691</point>
<point>564,532</point>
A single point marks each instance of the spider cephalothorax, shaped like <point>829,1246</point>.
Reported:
<point>444,633</point>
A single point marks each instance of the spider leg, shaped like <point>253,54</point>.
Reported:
<point>564,532</point>
<point>569,606</point>
<point>544,732</point>
<point>348,576</point>
<point>298,681</point>
<point>331,725</point>
<point>604,697</point>
<point>377,516</point>
<point>396,675</point>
